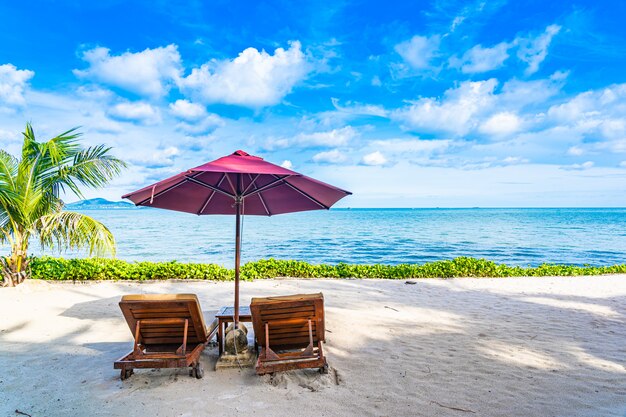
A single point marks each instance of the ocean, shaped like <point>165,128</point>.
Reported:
<point>363,236</point>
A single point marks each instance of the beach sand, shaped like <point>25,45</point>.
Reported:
<point>456,347</point>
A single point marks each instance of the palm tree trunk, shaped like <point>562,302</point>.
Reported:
<point>14,267</point>
<point>5,270</point>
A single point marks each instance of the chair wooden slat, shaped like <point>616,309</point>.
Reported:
<point>170,332</point>
<point>290,330</point>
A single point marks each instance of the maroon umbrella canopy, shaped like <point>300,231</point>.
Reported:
<point>265,189</point>
<point>238,184</point>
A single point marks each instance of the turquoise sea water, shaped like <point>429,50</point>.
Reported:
<point>392,236</point>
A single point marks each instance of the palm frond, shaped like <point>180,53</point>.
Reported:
<point>71,230</point>
<point>8,195</point>
<point>93,167</point>
<point>8,170</point>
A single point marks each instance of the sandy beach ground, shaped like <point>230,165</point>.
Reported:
<point>458,347</point>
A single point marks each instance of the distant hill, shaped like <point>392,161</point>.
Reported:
<point>99,204</point>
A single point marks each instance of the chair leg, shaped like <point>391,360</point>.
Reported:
<point>126,373</point>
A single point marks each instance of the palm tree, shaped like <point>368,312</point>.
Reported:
<point>30,199</point>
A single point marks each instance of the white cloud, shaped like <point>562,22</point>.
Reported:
<point>518,93</point>
<point>335,137</point>
<point>334,156</point>
<point>147,73</point>
<point>499,124</point>
<point>287,164</point>
<point>597,114</point>
<point>419,50</point>
<point>360,109</point>
<point>579,167</point>
<point>195,120</point>
<point>514,160</point>
<point>374,158</point>
<point>614,146</point>
<point>480,59</point>
<point>253,79</point>
<point>141,112</point>
<point>622,164</point>
<point>582,106</point>
<point>418,146</point>
<point>184,109</point>
<point>202,126</point>
<point>159,159</point>
<point>534,50</point>
<point>456,22</point>
<point>613,128</point>
<point>330,138</point>
<point>575,151</point>
<point>455,113</point>
<point>95,93</point>
<point>12,84</point>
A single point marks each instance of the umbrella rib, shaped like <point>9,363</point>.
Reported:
<point>264,205</point>
<point>260,195</point>
<point>232,187</point>
<point>210,187</point>
<point>293,187</point>
<point>278,181</point>
<point>251,183</point>
<point>210,197</point>
<point>171,187</point>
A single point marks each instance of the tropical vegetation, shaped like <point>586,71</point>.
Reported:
<point>49,268</point>
<point>31,205</point>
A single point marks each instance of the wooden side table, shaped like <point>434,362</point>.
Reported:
<point>225,316</point>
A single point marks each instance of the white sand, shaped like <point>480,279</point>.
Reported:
<point>484,347</point>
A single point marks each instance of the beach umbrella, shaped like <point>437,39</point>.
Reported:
<point>238,184</point>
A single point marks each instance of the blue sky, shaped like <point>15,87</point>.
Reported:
<point>407,104</point>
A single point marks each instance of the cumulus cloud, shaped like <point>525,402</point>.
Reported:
<point>374,159</point>
<point>519,93</point>
<point>455,113</point>
<point>503,123</point>
<point>185,110</point>
<point>334,156</point>
<point>534,50</point>
<point>418,51</point>
<point>201,126</point>
<point>253,79</point>
<point>194,118</point>
<point>13,81</point>
<point>140,111</point>
<point>148,73</point>
<point>160,158</point>
<point>287,164</point>
<point>583,106</point>
<point>480,59</point>
<point>597,114</point>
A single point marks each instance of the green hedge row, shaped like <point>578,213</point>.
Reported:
<point>111,269</point>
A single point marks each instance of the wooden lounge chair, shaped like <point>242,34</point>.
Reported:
<point>290,331</point>
<point>169,331</point>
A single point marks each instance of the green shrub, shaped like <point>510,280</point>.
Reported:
<point>111,269</point>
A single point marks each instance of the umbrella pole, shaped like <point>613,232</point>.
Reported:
<point>237,258</point>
